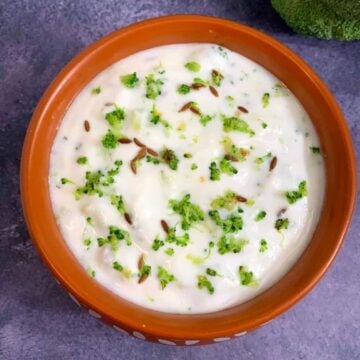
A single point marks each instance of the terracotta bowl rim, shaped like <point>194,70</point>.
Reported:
<point>51,93</point>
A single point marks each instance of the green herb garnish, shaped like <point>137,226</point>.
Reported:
<point>214,172</point>
<point>169,251</point>
<point>216,78</point>
<point>179,240</point>
<point>164,277</point>
<point>263,246</point>
<point>315,149</point>
<point>260,216</point>
<point>227,244</point>
<point>96,90</point>
<point>190,213</point>
<point>82,160</point>
<point>193,166</point>
<point>211,272</point>
<point>155,117</point>
<point>66,181</point>
<point>152,159</point>
<point>87,242</point>
<point>204,119</point>
<point>183,89</point>
<point>265,100</point>
<point>204,282</point>
<point>281,224</point>
<point>115,236</point>
<point>115,118</point>
<point>153,87</point>
<point>118,202</point>
<point>246,277</point>
<point>130,80</point>
<point>92,185</point>
<point>231,224</point>
<point>193,66</point>
<point>117,266</point>
<point>109,141</point>
<point>170,158</point>
<point>227,201</point>
<point>157,244</point>
<point>227,168</point>
<point>293,196</point>
<point>260,160</point>
<point>235,124</point>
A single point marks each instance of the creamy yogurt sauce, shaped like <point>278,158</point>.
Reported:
<point>186,178</point>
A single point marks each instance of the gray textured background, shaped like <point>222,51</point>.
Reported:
<point>37,318</point>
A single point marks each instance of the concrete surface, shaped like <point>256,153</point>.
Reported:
<point>37,318</point>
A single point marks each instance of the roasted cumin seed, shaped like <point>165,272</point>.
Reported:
<point>165,226</point>
<point>240,198</point>
<point>281,212</point>
<point>141,261</point>
<point>128,218</point>
<point>213,91</point>
<point>243,109</point>
<point>186,107</point>
<point>142,278</point>
<point>197,86</point>
<point>141,154</point>
<point>133,166</point>
<point>86,126</point>
<point>125,141</point>
<point>152,152</point>
<point>194,110</point>
<point>230,157</point>
<point>273,163</point>
<point>109,104</point>
<point>139,143</point>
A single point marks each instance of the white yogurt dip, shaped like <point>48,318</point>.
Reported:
<point>186,178</point>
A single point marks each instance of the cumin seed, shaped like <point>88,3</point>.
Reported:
<point>243,109</point>
<point>143,278</point>
<point>141,261</point>
<point>273,163</point>
<point>186,106</point>
<point>197,86</point>
<point>109,104</point>
<point>128,218</point>
<point>165,226</point>
<point>230,157</point>
<point>194,110</point>
<point>125,141</point>
<point>152,152</point>
<point>240,198</point>
<point>133,166</point>
<point>213,91</point>
<point>141,154</point>
<point>86,126</point>
<point>281,212</point>
<point>139,143</point>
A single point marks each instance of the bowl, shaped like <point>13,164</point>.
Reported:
<point>175,329</point>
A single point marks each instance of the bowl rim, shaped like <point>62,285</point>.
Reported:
<point>69,70</point>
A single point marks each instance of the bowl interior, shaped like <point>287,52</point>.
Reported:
<point>312,93</point>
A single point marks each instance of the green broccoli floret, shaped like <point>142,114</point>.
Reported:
<point>326,19</point>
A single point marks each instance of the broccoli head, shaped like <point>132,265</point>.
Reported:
<point>326,19</point>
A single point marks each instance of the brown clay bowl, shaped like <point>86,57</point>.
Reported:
<point>175,329</point>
